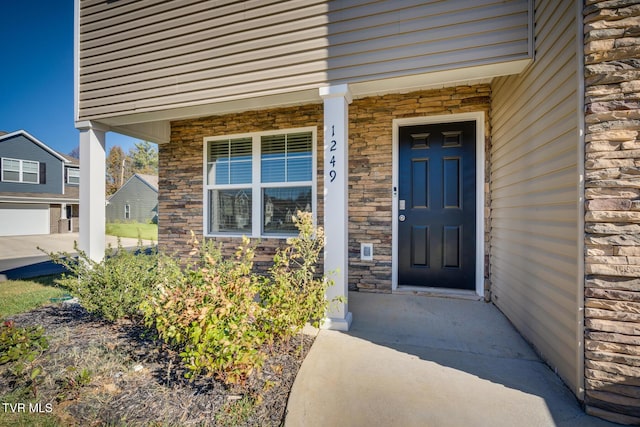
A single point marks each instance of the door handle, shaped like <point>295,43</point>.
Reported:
<point>401,218</point>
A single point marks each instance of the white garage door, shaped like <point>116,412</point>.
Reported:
<point>22,219</point>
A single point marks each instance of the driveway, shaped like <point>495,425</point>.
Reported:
<point>425,361</point>
<point>20,251</point>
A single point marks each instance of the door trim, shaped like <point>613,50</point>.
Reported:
<point>479,118</point>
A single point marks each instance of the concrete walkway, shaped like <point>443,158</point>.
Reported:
<point>426,361</point>
<point>18,251</point>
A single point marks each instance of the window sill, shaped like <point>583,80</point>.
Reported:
<point>263,237</point>
<point>20,182</point>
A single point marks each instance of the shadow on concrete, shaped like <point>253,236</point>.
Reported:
<point>472,337</point>
<point>30,271</point>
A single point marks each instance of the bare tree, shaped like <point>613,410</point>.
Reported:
<point>75,153</point>
<point>116,169</point>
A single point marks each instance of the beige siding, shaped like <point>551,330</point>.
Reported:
<point>534,194</point>
<point>137,56</point>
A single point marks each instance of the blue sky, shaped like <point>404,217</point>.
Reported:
<point>36,75</point>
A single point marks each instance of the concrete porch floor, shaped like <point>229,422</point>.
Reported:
<point>425,361</point>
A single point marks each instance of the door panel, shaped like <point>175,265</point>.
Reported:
<point>420,183</point>
<point>437,187</point>
<point>452,182</point>
<point>452,246</point>
<point>420,245</point>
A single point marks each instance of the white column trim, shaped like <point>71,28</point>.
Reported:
<point>89,124</point>
<point>336,91</point>
<point>336,197</point>
<point>92,189</point>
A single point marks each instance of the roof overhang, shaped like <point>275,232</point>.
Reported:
<point>154,126</point>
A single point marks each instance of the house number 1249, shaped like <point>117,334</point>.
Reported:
<point>332,148</point>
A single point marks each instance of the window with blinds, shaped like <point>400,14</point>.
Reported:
<point>16,170</point>
<point>286,158</point>
<point>230,161</point>
<point>73,176</point>
<point>256,183</point>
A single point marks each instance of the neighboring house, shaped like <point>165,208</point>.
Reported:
<point>487,147</point>
<point>38,187</point>
<point>136,200</point>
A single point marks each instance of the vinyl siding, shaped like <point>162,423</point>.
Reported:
<point>142,200</point>
<point>534,194</point>
<point>22,148</point>
<point>139,56</point>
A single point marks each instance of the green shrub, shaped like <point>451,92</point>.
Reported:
<point>295,292</point>
<point>220,314</point>
<point>113,288</point>
<point>211,313</point>
<point>20,346</point>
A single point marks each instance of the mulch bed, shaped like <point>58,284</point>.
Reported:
<point>135,380</point>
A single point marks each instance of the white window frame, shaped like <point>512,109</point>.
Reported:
<point>256,185</point>
<point>76,175</point>
<point>21,171</point>
<point>127,211</point>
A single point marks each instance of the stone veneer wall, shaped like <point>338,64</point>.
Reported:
<point>612,209</point>
<point>181,173</point>
<point>370,171</point>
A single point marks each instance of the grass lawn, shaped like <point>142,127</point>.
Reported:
<point>134,230</point>
<point>17,296</point>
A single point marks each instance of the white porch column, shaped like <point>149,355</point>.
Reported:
<point>92,189</point>
<point>336,191</point>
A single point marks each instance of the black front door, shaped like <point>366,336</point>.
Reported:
<point>437,205</point>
